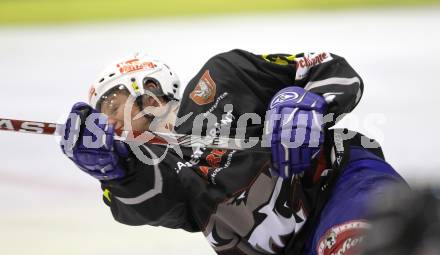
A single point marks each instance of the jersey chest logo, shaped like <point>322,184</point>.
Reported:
<point>205,90</point>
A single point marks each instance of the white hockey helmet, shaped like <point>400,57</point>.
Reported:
<point>132,73</point>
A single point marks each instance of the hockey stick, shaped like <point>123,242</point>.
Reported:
<point>47,128</point>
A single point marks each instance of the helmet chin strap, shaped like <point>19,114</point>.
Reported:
<point>139,100</point>
<point>165,122</point>
<point>140,105</point>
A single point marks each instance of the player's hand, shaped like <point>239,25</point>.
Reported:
<point>88,142</point>
<point>297,129</point>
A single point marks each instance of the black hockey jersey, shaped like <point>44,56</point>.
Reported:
<point>231,195</point>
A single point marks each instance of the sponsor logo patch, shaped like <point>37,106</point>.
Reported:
<point>215,157</point>
<point>205,90</point>
<point>213,160</point>
<point>134,65</point>
<point>343,239</point>
<point>308,61</point>
<point>204,170</point>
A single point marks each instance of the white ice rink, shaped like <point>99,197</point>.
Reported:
<point>49,207</point>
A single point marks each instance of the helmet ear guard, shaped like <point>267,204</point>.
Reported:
<point>152,91</point>
<point>158,91</point>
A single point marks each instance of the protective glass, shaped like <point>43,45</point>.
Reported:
<point>112,103</point>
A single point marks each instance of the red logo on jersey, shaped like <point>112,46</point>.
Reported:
<point>313,61</point>
<point>343,239</point>
<point>204,170</point>
<point>213,159</point>
<point>205,90</point>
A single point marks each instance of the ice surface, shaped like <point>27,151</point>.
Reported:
<point>49,207</point>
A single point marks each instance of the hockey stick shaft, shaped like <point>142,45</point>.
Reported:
<point>34,127</point>
<point>47,128</point>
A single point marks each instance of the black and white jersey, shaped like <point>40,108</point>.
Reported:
<point>230,195</point>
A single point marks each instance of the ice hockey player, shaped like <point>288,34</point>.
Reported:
<point>305,192</point>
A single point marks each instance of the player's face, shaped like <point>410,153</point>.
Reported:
<point>114,107</point>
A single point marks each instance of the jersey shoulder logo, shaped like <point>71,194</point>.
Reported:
<point>343,239</point>
<point>309,60</point>
<point>205,90</point>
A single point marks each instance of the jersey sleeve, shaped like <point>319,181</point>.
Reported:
<point>148,195</point>
<point>332,77</point>
<point>343,222</point>
<point>256,79</point>
<point>248,82</point>
<point>323,73</point>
